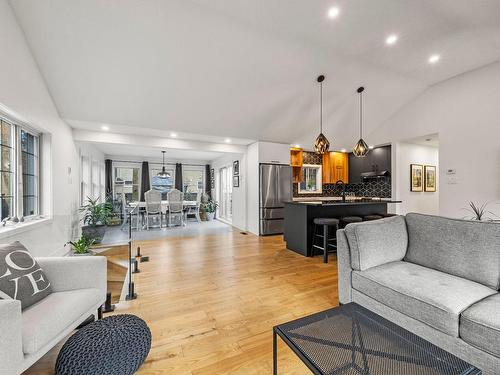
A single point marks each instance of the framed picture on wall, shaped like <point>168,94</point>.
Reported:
<point>236,181</point>
<point>416,177</point>
<point>212,178</point>
<point>430,178</point>
<point>236,168</point>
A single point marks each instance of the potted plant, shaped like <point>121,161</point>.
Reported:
<point>81,246</point>
<point>95,215</point>
<point>209,208</point>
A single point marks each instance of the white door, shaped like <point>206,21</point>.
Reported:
<point>225,193</point>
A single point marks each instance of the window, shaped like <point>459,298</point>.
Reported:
<point>19,166</point>
<point>311,179</point>
<point>7,169</point>
<point>163,184</point>
<point>127,183</point>
<point>193,179</point>
<point>29,156</point>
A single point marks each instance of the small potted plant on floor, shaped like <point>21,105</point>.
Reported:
<point>209,209</point>
<point>81,246</point>
<point>95,215</point>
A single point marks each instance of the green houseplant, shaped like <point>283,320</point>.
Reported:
<point>209,207</point>
<point>95,216</point>
<point>81,246</point>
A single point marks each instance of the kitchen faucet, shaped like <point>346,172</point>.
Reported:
<point>340,182</point>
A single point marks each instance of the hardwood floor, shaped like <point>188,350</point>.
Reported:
<point>211,302</point>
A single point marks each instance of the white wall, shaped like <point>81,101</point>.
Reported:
<point>422,202</point>
<point>465,111</point>
<point>239,219</point>
<point>23,90</point>
<point>253,188</point>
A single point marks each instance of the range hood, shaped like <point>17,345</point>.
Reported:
<point>371,175</point>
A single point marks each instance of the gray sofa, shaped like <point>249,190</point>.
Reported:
<point>437,277</point>
<point>78,290</point>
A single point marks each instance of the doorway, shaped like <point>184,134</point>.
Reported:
<point>226,193</point>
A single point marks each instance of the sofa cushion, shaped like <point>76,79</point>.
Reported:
<point>21,277</point>
<point>377,242</point>
<point>480,325</point>
<point>45,320</point>
<point>468,249</point>
<point>432,297</point>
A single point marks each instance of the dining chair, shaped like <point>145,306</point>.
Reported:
<point>175,205</point>
<point>153,205</point>
<point>128,213</point>
<point>195,210</point>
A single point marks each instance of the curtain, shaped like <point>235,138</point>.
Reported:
<point>145,181</point>
<point>208,181</point>
<point>178,176</point>
<point>108,176</point>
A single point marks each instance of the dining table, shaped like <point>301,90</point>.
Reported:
<point>164,204</point>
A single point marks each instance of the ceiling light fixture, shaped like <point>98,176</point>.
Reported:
<point>173,135</point>
<point>163,173</point>
<point>391,39</point>
<point>361,148</point>
<point>333,12</point>
<point>322,144</point>
<point>371,147</point>
<point>105,127</point>
<point>343,150</point>
<point>434,59</point>
<point>227,140</point>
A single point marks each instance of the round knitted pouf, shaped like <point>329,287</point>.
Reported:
<point>116,345</point>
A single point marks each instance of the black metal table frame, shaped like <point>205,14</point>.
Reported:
<point>315,370</point>
<point>277,332</point>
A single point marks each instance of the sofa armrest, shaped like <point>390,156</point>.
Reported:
<point>377,242</point>
<point>344,267</point>
<point>11,346</point>
<point>70,273</point>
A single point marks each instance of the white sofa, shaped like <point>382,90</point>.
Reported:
<point>79,289</point>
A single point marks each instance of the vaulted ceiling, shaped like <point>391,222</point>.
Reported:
<point>247,68</point>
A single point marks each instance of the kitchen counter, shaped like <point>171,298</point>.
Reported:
<point>299,216</point>
<point>340,202</point>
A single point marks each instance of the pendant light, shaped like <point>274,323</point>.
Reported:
<point>322,144</point>
<point>361,148</point>
<point>163,173</point>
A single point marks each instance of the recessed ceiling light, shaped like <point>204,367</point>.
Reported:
<point>343,150</point>
<point>105,127</point>
<point>391,39</point>
<point>333,12</point>
<point>434,59</point>
<point>297,146</point>
<point>371,147</point>
<point>227,140</point>
<point>173,135</point>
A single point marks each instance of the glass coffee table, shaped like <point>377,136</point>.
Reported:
<point>353,340</point>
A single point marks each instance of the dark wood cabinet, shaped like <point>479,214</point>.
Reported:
<point>377,160</point>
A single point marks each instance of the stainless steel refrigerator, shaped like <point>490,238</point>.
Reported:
<point>275,188</point>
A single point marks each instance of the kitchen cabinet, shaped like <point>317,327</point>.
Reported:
<point>296,161</point>
<point>335,167</point>
<point>377,160</point>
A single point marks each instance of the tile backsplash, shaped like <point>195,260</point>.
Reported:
<point>380,187</point>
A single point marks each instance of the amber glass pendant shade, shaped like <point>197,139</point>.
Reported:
<point>322,144</point>
<point>361,149</point>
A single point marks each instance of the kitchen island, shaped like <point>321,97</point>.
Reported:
<point>299,216</point>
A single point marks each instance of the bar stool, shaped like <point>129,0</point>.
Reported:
<point>327,240</point>
<point>349,219</point>
<point>372,217</point>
